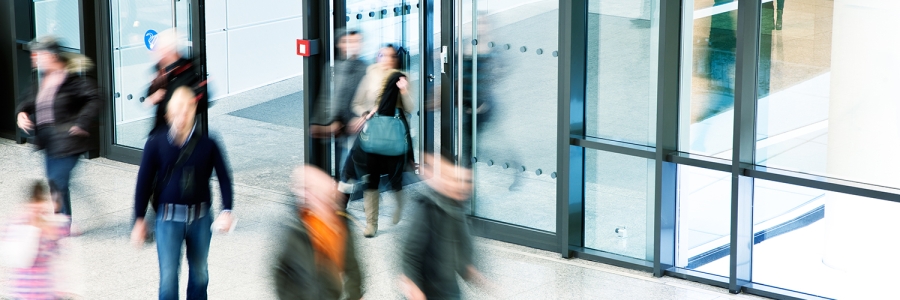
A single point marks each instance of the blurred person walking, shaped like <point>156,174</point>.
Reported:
<point>333,110</point>
<point>31,248</point>
<point>173,71</point>
<point>438,245</point>
<point>61,112</point>
<point>383,91</point>
<point>180,162</point>
<point>318,259</point>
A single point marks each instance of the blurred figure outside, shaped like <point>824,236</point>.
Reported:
<point>60,112</point>
<point>173,71</point>
<point>176,168</point>
<point>31,247</point>
<point>318,259</point>
<point>438,245</point>
<point>333,110</point>
<point>383,90</point>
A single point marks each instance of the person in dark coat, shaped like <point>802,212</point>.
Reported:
<point>61,112</point>
<point>318,259</point>
<point>438,246</point>
<point>173,71</point>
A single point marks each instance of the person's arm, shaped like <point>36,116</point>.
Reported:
<point>406,100</point>
<point>224,175</point>
<point>147,172</point>
<point>92,104</point>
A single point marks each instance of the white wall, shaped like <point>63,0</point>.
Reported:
<point>251,43</point>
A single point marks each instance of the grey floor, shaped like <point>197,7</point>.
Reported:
<point>102,264</point>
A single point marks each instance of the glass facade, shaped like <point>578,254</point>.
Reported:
<point>744,144</point>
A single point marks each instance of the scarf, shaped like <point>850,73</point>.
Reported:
<point>328,242</point>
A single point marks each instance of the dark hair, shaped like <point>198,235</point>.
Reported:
<point>399,53</point>
<point>37,192</point>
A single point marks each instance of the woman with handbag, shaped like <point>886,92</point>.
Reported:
<point>382,150</point>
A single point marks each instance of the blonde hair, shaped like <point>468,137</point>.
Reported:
<point>169,40</point>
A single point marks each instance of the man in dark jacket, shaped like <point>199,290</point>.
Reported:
<point>318,260</point>
<point>439,245</point>
<point>60,113</point>
<point>181,161</point>
<point>333,113</point>
<point>173,71</point>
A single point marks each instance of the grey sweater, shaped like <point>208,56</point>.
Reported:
<point>336,105</point>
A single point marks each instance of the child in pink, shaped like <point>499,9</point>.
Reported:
<point>37,281</point>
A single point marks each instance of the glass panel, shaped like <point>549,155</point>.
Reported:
<point>133,65</point>
<point>510,92</point>
<point>59,18</point>
<point>621,71</point>
<point>619,206</point>
<point>707,99</point>
<point>824,243</point>
<point>825,90</point>
<point>704,220</point>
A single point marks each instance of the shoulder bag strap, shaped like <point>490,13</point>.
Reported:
<point>182,158</point>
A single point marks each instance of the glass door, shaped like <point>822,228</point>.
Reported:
<point>134,25</point>
<point>504,107</point>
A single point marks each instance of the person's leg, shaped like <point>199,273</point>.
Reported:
<point>396,180</point>
<point>169,237</point>
<point>370,195</point>
<point>198,238</point>
<point>59,174</point>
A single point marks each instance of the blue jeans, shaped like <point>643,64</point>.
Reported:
<point>170,235</point>
<point>59,173</point>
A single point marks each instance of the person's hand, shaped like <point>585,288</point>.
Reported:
<point>402,84</point>
<point>318,131</point>
<point>156,98</point>
<point>24,122</point>
<point>410,289</point>
<point>356,125</point>
<point>139,233</point>
<point>77,131</point>
<point>224,222</point>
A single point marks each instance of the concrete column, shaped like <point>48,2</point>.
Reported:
<point>863,235</point>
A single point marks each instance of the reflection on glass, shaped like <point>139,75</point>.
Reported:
<point>824,243</point>
<point>826,103</point>
<point>619,197</point>
<point>133,66</point>
<point>509,108</point>
<point>59,18</point>
<point>704,220</point>
<point>621,70</point>
<point>390,22</point>
<point>707,100</point>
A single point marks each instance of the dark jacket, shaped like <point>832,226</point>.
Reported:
<point>183,72</point>
<point>438,246</point>
<point>297,276</point>
<point>77,103</point>
<point>188,184</point>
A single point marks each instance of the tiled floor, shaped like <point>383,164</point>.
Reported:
<point>105,266</point>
